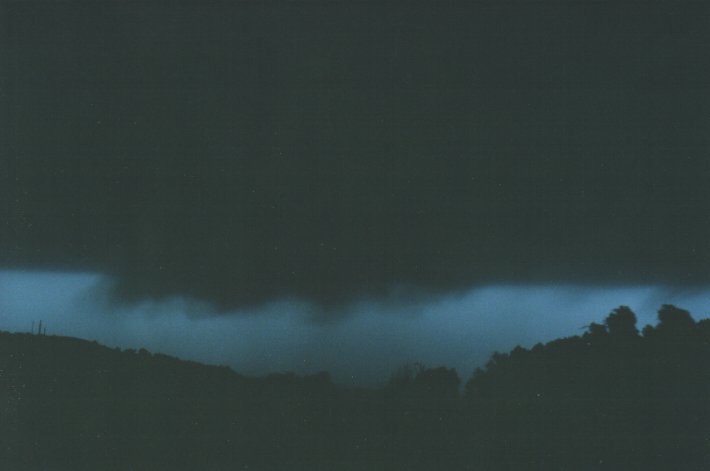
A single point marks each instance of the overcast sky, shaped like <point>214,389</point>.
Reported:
<point>274,157</point>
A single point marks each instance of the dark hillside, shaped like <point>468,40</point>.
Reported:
<point>612,398</point>
<point>72,404</point>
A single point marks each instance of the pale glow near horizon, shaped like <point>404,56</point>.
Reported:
<point>362,345</point>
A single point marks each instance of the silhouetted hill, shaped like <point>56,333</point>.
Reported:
<point>73,404</point>
<point>612,398</point>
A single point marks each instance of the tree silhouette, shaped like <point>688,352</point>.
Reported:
<point>597,330</point>
<point>621,322</point>
<point>674,320</point>
<point>403,377</point>
<point>440,382</point>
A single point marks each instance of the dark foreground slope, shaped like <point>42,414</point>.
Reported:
<point>72,404</point>
<point>610,399</point>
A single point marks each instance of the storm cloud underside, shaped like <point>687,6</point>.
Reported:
<point>364,347</point>
<point>252,152</point>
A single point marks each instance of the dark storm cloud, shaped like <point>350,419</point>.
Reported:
<point>241,152</point>
<point>370,341</point>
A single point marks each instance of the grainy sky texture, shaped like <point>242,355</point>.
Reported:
<point>241,153</point>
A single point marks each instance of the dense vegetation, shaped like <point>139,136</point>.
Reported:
<point>612,398</point>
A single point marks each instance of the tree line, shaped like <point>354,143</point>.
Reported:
<point>611,398</point>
